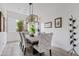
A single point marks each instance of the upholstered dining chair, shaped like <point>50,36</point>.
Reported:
<point>44,43</point>
<point>24,44</point>
<point>21,41</point>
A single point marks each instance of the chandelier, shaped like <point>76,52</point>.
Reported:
<point>31,17</point>
<point>32,24</point>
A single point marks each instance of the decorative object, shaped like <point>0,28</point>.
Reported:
<point>72,36</point>
<point>58,22</point>
<point>31,29</point>
<point>48,25</point>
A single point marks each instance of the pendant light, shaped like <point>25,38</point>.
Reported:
<point>31,17</point>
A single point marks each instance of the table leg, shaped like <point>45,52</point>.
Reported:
<point>50,52</point>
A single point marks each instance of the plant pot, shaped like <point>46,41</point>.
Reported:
<point>32,35</point>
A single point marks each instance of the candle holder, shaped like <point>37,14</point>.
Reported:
<point>72,36</point>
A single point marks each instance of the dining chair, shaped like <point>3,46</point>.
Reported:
<point>21,41</point>
<point>24,44</point>
<point>44,43</point>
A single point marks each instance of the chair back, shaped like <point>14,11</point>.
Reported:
<point>45,41</point>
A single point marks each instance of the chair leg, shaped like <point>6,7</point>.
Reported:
<point>22,48</point>
<point>25,51</point>
<point>50,52</point>
<point>40,54</point>
<point>20,45</point>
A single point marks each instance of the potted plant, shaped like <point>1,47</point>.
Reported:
<point>19,25</point>
<point>31,29</point>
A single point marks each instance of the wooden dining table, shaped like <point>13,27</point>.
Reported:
<point>33,40</point>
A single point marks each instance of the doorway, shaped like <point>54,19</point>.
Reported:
<point>2,22</point>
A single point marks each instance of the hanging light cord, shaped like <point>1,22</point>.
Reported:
<point>31,8</point>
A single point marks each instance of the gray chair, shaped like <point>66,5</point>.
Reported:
<point>23,43</point>
<point>44,43</point>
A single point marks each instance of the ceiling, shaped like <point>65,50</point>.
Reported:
<point>40,8</point>
<point>17,7</point>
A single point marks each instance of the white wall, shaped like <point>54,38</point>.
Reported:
<point>13,36</point>
<point>48,12</point>
<point>3,41</point>
<point>11,20</point>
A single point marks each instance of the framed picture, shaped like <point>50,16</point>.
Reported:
<point>58,22</point>
<point>48,25</point>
